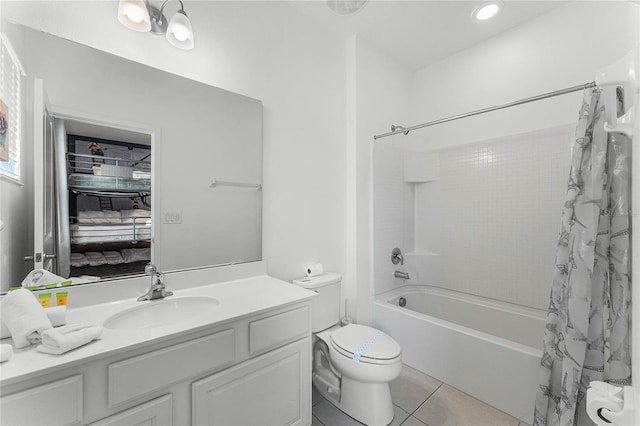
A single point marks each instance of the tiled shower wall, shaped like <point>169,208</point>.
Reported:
<point>392,207</point>
<point>491,219</point>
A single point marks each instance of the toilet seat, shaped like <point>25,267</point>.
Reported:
<point>365,344</point>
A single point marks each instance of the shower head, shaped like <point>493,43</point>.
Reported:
<point>395,128</point>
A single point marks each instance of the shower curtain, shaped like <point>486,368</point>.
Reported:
<point>587,335</point>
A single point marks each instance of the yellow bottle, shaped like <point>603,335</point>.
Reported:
<point>45,299</point>
<point>61,298</point>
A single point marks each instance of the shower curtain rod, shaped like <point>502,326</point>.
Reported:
<point>405,130</point>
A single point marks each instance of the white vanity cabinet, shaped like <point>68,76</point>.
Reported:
<point>253,370</point>
<point>155,412</point>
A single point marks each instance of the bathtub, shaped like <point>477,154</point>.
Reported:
<point>485,348</point>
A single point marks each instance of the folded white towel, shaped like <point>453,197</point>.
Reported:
<point>24,317</point>
<point>6,352</point>
<point>95,258</point>
<point>56,314</point>
<point>113,257</point>
<point>63,339</point>
<point>78,260</point>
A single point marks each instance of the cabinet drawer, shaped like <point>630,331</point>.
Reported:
<point>276,330</point>
<point>146,373</point>
<point>157,412</point>
<point>56,403</point>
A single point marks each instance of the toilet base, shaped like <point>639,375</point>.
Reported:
<point>369,403</point>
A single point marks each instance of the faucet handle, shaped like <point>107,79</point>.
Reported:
<point>396,256</point>
<point>150,269</point>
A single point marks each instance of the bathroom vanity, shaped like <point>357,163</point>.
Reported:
<point>243,359</point>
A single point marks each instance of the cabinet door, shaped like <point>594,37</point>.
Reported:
<point>157,412</point>
<point>52,404</point>
<point>271,390</point>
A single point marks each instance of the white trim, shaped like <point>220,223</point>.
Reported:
<point>11,179</point>
<point>12,53</point>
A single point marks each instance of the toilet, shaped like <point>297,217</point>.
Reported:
<point>352,365</point>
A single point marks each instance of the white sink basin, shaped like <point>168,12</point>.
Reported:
<point>161,313</point>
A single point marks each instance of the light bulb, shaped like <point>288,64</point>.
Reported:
<point>135,16</point>
<point>486,11</point>
<point>180,32</point>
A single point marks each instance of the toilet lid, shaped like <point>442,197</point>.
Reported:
<point>360,341</point>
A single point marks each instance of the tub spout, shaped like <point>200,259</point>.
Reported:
<point>400,274</point>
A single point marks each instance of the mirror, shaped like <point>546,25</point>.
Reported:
<point>206,152</point>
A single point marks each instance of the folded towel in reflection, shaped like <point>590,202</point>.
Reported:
<point>63,339</point>
<point>41,278</point>
<point>78,260</point>
<point>95,258</point>
<point>56,314</point>
<point>24,317</point>
<point>113,257</point>
<point>6,352</point>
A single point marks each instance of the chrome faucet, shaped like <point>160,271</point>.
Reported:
<point>400,274</point>
<point>157,290</point>
<point>397,257</point>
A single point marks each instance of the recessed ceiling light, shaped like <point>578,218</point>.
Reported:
<point>346,7</point>
<point>486,10</point>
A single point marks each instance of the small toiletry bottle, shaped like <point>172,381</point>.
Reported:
<point>45,299</point>
<point>61,298</point>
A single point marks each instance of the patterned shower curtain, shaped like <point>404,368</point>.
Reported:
<point>587,335</point>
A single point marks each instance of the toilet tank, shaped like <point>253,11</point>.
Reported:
<point>326,305</point>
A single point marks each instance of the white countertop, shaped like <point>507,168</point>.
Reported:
<point>237,299</point>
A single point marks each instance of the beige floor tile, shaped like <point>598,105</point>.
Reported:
<point>329,415</point>
<point>450,407</point>
<point>316,396</point>
<point>412,421</point>
<point>412,388</point>
<point>326,413</point>
<point>399,416</point>
<point>316,422</point>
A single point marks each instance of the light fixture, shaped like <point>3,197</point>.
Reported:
<point>139,15</point>
<point>486,10</point>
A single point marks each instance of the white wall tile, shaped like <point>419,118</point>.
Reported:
<point>493,216</point>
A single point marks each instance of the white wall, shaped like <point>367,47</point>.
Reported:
<point>262,50</point>
<point>382,97</point>
<point>561,49</point>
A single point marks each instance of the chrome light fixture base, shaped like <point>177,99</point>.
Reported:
<point>159,22</point>
<point>139,15</point>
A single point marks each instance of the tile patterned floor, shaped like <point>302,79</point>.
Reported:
<point>421,400</point>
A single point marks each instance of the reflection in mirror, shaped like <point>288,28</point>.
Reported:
<point>109,184</point>
<point>121,120</point>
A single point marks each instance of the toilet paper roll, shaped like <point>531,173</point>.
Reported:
<point>315,269</point>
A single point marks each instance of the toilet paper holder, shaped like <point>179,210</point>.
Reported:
<point>610,405</point>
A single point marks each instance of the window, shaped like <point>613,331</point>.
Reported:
<point>11,73</point>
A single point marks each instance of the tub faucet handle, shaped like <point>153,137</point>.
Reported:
<point>397,257</point>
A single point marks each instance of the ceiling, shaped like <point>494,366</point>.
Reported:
<point>418,33</point>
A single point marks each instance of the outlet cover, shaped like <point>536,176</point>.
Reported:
<point>172,218</point>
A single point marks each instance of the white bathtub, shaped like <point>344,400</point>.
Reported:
<point>488,349</point>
